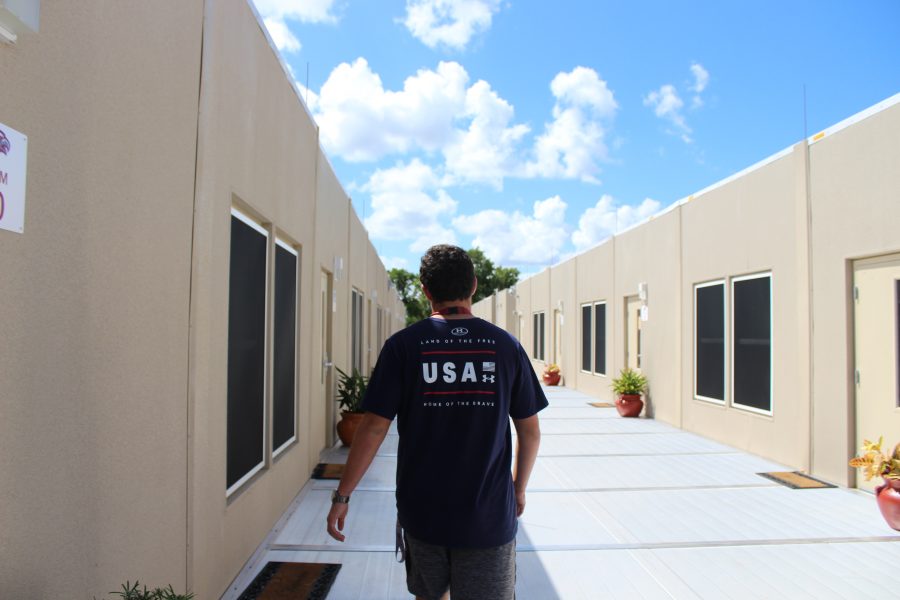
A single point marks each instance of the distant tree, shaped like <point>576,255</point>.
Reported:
<point>491,278</point>
<point>410,290</point>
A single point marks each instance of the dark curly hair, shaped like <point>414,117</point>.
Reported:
<point>448,273</point>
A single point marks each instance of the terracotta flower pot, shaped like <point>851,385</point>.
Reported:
<point>347,426</point>
<point>551,378</point>
<point>630,405</point>
<point>888,496</point>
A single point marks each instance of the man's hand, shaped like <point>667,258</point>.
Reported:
<point>520,503</point>
<point>335,520</point>
<point>368,438</point>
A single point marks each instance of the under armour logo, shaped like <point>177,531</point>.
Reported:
<point>487,379</point>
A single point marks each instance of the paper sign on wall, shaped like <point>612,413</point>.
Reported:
<point>13,155</point>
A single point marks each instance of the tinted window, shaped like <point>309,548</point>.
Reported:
<point>246,351</point>
<point>752,343</point>
<point>586,333</point>
<point>285,359</point>
<point>710,341</point>
<point>600,339</point>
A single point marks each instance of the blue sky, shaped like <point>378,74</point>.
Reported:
<point>536,129</point>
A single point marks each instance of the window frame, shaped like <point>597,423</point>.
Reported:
<point>594,335</point>
<point>276,452</point>
<point>539,342</point>
<point>732,403</point>
<point>591,342</point>
<point>726,388</point>
<point>262,465</point>
<point>357,329</point>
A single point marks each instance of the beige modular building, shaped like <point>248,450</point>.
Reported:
<point>764,310</point>
<point>189,271</point>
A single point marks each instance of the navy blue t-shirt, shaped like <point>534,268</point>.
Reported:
<point>453,384</point>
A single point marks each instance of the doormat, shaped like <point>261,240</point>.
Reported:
<point>292,581</point>
<point>602,404</point>
<point>796,480</point>
<point>328,471</point>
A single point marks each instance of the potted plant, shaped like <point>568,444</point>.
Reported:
<point>629,386</point>
<point>350,393</point>
<point>875,463</point>
<point>551,374</point>
<point>135,592</point>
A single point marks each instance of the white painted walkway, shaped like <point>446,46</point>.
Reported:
<point>623,508</point>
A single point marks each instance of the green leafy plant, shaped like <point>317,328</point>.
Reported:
<point>629,382</point>
<point>875,463</point>
<point>134,591</point>
<point>351,390</point>
<point>551,369</point>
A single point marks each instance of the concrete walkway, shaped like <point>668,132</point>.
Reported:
<point>623,508</point>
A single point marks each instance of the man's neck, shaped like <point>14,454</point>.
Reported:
<point>464,308</point>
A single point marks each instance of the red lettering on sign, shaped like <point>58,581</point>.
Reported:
<point>3,178</point>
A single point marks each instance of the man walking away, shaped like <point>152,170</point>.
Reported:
<point>453,381</point>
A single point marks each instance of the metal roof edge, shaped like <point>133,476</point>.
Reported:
<point>860,116</point>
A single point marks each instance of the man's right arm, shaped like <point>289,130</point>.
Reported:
<point>528,434</point>
<point>369,435</point>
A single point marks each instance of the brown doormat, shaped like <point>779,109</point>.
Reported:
<point>292,581</point>
<point>796,480</point>
<point>602,404</point>
<point>328,471</point>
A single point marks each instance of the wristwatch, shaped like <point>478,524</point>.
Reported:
<point>338,499</point>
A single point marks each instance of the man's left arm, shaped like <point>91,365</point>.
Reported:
<point>366,441</point>
<point>528,436</point>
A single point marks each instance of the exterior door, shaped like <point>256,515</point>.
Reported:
<point>876,314</point>
<point>325,375</point>
<point>633,332</point>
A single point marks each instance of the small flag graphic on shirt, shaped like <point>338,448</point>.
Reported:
<point>488,367</point>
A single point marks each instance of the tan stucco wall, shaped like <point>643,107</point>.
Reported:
<point>482,308</point>
<point>562,294</point>
<point>95,296</point>
<point>114,363</point>
<point>847,186</point>
<point>855,189</point>
<point>749,226</point>
<point>650,254</point>
<point>258,152</point>
<point>594,282</point>
<point>332,216</point>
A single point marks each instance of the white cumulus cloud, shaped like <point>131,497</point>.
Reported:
<point>701,77</point>
<point>305,11</point>
<point>605,219</point>
<point>516,238</point>
<point>361,121</point>
<point>394,262</point>
<point>282,36</point>
<point>667,104</point>
<point>450,23</point>
<point>486,151</point>
<point>407,204</point>
<point>277,13</point>
<point>701,80</point>
<point>573,144</point>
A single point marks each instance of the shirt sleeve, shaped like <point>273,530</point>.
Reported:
<point>527,396</point>
<point>386,383</point>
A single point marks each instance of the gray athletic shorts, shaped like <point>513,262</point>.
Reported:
<point>469,573</point>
